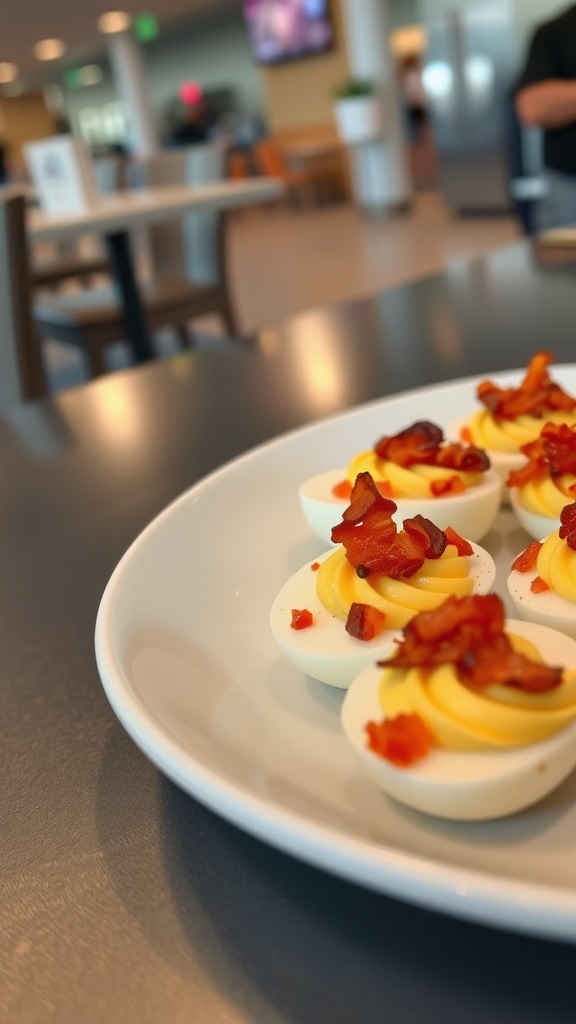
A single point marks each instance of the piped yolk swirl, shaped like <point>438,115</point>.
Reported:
<point>502,435</point>
<point>556,565</point>
<point>460,718</point>
<point>547,496</point>
<point>407,482</point>
<point>338,586</point>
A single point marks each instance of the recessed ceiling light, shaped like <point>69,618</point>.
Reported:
<point>8,72</point>
<point>49,49</point>
<point>114,21</point>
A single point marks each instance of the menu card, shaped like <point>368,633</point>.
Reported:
<point>61,173</point>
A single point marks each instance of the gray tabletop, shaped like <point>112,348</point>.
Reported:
<point>122,899</point>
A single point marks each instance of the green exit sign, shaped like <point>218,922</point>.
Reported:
<point>145,27</point>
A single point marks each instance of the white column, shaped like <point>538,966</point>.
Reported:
<point>133,89</point>
<point>379,168</point>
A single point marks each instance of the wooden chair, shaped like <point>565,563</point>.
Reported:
<point>21,369</point>
<point>69,265</point>
<point>300,185</point>
<point>189,270</point>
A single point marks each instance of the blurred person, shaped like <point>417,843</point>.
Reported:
<point>421,151</point>
<point>546,98</point>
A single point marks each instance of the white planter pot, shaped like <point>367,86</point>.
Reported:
<point>359,118</point>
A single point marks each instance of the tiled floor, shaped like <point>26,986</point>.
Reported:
<point>284,261</point>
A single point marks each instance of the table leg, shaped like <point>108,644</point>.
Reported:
<point>118,245</point>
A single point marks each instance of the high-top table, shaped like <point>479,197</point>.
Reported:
<point>115,215</point>
<point>121,898</point>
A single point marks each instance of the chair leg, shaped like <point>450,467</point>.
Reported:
<point>96,359</point>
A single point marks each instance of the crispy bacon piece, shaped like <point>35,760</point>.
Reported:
<point>526,560</point>
<point>364,622</point>
<point>449,485</point>
<point>315,566</point>
<point>401,740</point>
<point>422,443</point>
<point>342,490</point>
<point>553,453</point>
<point>536,396</point>
<point>462,546</point>
<point>538,586</point>
<point>301,618</point>
<point>466,435</point>
<point>417,443</point>
<point>468,632</point>
<point>567,529</point>
<point>372,540</point>
<point>469,459</point>
<point>434,537</point>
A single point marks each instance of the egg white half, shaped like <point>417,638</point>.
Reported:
<point>537,526</point>
<point>470,785</point>
<point>471,513</point>
<point>547,608</point>
<point>325,650</point>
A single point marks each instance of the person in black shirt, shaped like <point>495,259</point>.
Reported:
<point>546,98</point>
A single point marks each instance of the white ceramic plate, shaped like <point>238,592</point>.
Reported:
<point>189,665</point>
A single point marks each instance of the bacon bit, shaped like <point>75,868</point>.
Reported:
<point>422,444</point>
<point>364,622</point>
<point>301,619</point>
<point>401,740</point>
<point>553,453</point>
<point>417,443</point>
<point>449,485</point>
<point>435,537</point>
<point>462,546</point>
<point>466,435</point>
<point>385,488</point>
<point>567,529</point>
<point>536,396</point>
<point>538,586</point>
<point>372,540</point>
<point>343,490</point>
<point>315,566</point>
<point>526,560</point>
<point>468,632</point>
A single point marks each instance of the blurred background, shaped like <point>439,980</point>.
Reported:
<point>391,124</point>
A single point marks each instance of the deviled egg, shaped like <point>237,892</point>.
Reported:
<point>361,593</point>
<point>451,484</point>
<point>463,747</point>
<point>546,482</point>
<point>512,417</point>
<point>542,584</point>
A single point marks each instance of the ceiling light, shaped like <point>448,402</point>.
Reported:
<point>49,49</point>
<point>114,21</point>
<point>8,72</point>
<point>91,74</point>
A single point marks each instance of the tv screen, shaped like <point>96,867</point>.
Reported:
<point>286,29</point>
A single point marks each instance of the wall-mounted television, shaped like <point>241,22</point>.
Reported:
<point>281,30</point>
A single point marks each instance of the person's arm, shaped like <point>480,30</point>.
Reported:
<point>548,104</point>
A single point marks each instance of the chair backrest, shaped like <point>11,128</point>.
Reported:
<point>21,370</point>
<point>190,247</point>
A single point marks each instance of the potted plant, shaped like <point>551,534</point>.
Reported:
<point>358,111</point>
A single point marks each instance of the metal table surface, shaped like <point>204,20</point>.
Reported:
<point>122,899</point>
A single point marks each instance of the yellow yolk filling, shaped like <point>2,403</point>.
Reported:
<point>412,482</point>
<point>460,718</point>
<point>501,435</point>
<point>556,565</point>
<point>338,586</point>
<point>549,495</point>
